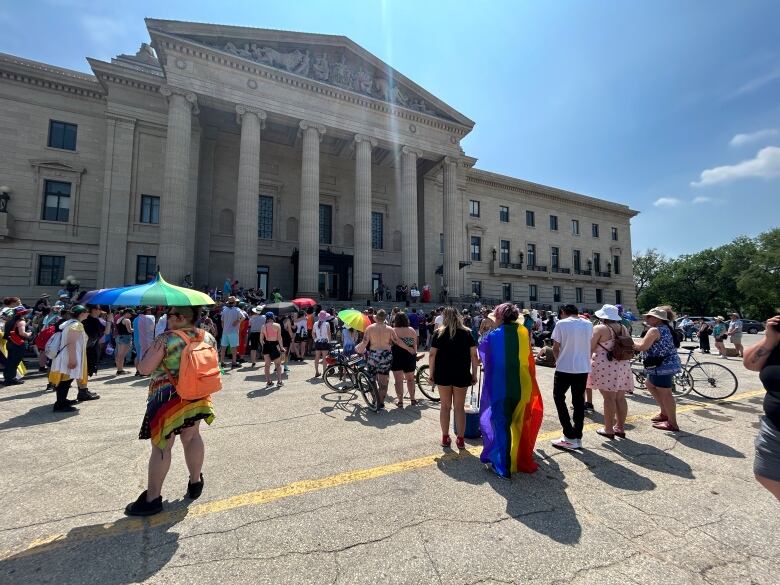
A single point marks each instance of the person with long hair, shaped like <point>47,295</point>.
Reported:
<point>454,365</point>
<point>123,339</point>
<point>271,342</point>
<point>15,334</point>
<point>404,350</point>
<point>376,343</point>
<point>661,363</point>
<point>168,415</point>
<point>322,336</point>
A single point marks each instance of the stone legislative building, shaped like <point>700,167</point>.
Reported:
<point>278,159</point>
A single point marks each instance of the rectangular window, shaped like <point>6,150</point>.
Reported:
<point>503,214</point>
<point>476,248</point>
<point>441,243</point>
<point>555,257</point>
<point>145,269</point>
<point>262,280</point>
<point>578,295</point>
<point>56,201</point>
<point>377,230</point>
<point>533,292</point>
<point>150,209</point>
<point>596,262</point>
<point>473,208</point>
<point>577,261</point>
<point>599,295</point>
<point>506,291</point>
<point>594,229</point>
<point>618,297</point>
<point>616,264</point>
<point>556,294</point>
<point>326,224</point>
<point>504,253</point>
<point>530,218</point>
<point>614,234</point>
<point>62,135</point>
<point>476,288</point>
<point>265,217</point>
<point>51,270</point>
<point>575,227</point>
<point>530,258</point>
<point>554,223</point>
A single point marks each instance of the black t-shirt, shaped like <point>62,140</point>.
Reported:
<point>770,378</point>
<point>93,328</point>
<point>453,358</point>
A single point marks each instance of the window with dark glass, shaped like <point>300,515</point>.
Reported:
<point>618,297</point>
<point>506,291</point>
<point>614,234</point>
<point>577,260</point>
<point>503,214</point>
<point>145,268</point>
<point>262,280</point>
<point>616,264</point>
<point>377,230</point>
<point>599,295</point>
<point>575,227</point>
<point>51,270</point>
<point>596,262</point>
<point>594,228</point>
<point>530,218</point>
<point>530,257</point>
<point>56,201</point>
<point>150,209</point>
<point>554,223</point>
<point>533,292</point>
<point>504,253</point>
<point>555,256</point>
<point>62,135</point>
<point>556,294</point>
<point>473,208</point>
<point>265,217</point>
<point>326,224</point>
<point>578,295</point>
<point>476,287</point>
<point>476,248</point>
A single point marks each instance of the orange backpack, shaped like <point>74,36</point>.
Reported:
<point>199,374</point>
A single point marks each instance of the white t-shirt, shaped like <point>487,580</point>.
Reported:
<point>321,331</point>
<point>574,335</point>
<point>231,318</point>
<point>256,323</point>
<point>438,321</point>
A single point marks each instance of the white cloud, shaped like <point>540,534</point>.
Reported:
<point>742,139</point>
<point>667,202</point>
<point>702,200</point>
<point>765,165</point>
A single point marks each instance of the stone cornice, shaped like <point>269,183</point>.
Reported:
<point>504,183</point>
<point>196,50</point>
<point>37,74</point>
<point>108,73</point>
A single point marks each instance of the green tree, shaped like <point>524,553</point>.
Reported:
<point>759,283</point>
<point>646,265</point>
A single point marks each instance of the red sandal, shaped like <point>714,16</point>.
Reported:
<point>446,441</point>
<point>460,442</point>
<point>660,417</point>
<point>665,426</point>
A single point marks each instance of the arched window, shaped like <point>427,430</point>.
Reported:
<point>292,229</point>
<point>226,222</point>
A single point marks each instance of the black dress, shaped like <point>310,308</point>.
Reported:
<point>452,365</point>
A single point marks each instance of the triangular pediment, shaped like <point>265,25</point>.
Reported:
<point>328,59</point>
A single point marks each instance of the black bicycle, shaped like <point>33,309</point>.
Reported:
<point>347,373</point>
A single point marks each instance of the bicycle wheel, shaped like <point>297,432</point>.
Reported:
<point>338,377</point>
<point>424,384</point>
<point>682,383</point>
<point>639,380</point>
<point>713,381</point>
<point>368,390</point>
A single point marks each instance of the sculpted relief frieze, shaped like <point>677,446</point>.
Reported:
<point>332,68</point>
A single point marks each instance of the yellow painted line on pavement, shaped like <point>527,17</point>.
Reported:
<point>296,488</point>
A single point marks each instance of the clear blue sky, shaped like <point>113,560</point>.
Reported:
<point>670,107</point>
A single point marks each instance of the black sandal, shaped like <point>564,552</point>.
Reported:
<point>195,489</point>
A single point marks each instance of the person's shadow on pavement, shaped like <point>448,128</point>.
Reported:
<point>129,550</point>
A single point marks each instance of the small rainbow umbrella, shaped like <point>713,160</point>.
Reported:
<point>354,319</point>
<point>156,293</point>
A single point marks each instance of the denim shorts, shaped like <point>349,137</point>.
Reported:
<point>767,461</point>
<point>123,339</point>
<point>660,380</point>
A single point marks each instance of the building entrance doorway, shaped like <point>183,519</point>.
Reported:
<point>334,277</point>
<point>328,284</point>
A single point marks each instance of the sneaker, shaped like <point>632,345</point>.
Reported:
<point>143,508</point>
<point>567,444</point>
<point>13,382</point>
<point>446,441</point>
<point>43,369</point>
<point>64,407</point>
<point>460,443</point>
<point>195,489</point>
<point>85,395</point>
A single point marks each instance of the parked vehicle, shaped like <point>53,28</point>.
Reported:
<point>750,326</point>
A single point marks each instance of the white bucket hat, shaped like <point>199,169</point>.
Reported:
<point>608,312</point>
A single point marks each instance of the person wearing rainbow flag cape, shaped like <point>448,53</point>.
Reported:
<point>510,410</point>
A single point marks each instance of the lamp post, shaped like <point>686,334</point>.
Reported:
<point>4,197</point>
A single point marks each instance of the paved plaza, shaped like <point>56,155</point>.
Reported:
<point>304,485</point>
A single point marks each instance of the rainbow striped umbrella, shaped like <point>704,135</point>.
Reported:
<point>156,293</point>
<point>354,319</point>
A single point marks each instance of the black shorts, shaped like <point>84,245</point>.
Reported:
<point>271,349</point>
<point>254,340</point>
<point>403,361</point>
<point>322,345</point>
<point>300,339</point>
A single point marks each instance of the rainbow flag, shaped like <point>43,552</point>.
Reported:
<point>510,410</point>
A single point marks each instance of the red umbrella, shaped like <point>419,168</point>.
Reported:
<point>304,303</point>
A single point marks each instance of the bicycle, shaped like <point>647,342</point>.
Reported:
<point>682,383</point>
<point>345,373</point>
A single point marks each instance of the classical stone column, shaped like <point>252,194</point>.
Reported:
<point>362,264</point>
<point>172,253</point>
<point>309,233</point>
<point>408,212</point>
<point>452,226</point>
<point>245,252</point>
